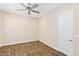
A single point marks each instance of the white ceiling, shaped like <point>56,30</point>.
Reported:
<point>43,8</point>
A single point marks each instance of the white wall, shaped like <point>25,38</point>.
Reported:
<point>76,29</point>
<point>48,29</point>
<point>48,26</point>
<point>17,28</point>
<point>0,27</point>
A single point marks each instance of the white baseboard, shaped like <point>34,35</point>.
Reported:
<point>11,43</point>
<point>49,45</point>
<point>16,42</point>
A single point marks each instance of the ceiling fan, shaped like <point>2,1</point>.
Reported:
<point>29,8</point>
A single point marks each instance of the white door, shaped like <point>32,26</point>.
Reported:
<point>65,31</point>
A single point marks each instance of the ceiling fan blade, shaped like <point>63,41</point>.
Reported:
<point>23,5</point>
<point>21,9</point>
<point>35,11</point>
<point>34,6</point>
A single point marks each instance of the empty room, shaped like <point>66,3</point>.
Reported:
<point>39,29</point>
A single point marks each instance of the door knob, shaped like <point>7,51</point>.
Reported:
<point>70,40</point>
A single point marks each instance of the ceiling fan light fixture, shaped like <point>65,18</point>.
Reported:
<point>30,8</point>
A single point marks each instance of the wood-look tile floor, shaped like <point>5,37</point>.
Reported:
<point>35,48</point>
